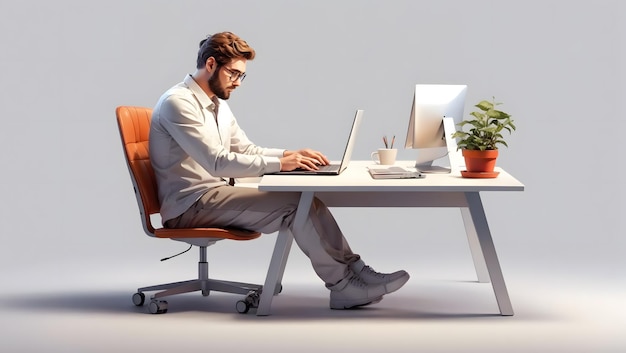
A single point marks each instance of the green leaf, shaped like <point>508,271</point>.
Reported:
<point>478,115</point>
<point>484,105</point>
<point>497,114</point>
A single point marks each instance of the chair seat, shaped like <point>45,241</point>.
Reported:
<point>217,233</point>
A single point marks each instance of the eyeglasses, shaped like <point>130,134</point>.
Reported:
<point>235,75</point>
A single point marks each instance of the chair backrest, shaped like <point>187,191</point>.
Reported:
<point>134,126</point>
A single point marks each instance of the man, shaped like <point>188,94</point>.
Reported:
<point>197,147</point>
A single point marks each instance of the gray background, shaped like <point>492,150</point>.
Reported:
<point>69,219</point>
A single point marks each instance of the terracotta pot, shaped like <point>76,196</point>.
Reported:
<point>480,161</point>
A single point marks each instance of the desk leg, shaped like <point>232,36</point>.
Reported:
<point>478,218</point>
<point>280,255</point>
<point>477,254</point>
<point>304,206</point>
<point>275,271</point>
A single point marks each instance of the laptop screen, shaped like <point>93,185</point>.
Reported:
<point>347,154</point>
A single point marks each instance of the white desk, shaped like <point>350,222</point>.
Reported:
<point>356,188</point>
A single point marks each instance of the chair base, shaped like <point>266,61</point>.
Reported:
<point>203,284</point>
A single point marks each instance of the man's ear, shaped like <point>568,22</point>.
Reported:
<point>210,65</point>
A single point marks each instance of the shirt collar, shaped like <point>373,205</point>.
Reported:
<point>202,97</point>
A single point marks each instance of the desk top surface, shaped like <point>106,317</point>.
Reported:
<point>356,178</point>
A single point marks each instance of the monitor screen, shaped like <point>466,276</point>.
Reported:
<point>431,103</point>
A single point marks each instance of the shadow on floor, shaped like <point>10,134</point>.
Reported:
<point>295,305</point>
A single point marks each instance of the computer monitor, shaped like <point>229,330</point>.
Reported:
<point>436,110</point>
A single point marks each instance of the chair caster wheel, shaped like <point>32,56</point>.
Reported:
<point>157,307</point>
<point>139,298</point>
<point>205,293</point>
<point>279,289</point>
<point>242,306</point>
<point>250,301</point>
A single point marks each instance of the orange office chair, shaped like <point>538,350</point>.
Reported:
<point>134,126</point>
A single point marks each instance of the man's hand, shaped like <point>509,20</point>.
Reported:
<point>307,159</point>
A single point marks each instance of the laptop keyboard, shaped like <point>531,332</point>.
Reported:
<point>328,167</point>
<point>322,168</point>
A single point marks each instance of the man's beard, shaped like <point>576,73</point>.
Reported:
<point>215,87</point>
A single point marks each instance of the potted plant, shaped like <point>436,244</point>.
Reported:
<point>480,144</point>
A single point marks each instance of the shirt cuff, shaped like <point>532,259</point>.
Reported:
<point>274,152</point>
<point>272,165</point>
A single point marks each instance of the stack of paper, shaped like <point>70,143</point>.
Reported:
<point>393,172</point>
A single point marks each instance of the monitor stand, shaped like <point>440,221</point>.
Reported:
<point>426,158</point>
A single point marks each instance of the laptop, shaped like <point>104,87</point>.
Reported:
<point>333,168</point>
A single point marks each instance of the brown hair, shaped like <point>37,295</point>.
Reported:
<point>223,47</point>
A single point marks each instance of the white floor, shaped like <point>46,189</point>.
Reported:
<point>451,313</point>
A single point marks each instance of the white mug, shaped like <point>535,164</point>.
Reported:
<point>385,156</point>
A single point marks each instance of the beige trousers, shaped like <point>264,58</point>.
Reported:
<point>267,212</point>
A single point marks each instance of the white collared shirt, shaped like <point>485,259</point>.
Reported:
<point>191,152</point>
